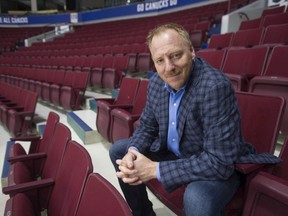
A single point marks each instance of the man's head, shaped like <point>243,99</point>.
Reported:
<point>172,53</point>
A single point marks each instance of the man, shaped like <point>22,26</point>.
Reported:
<point>189,133</point>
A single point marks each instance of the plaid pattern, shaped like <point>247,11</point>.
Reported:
<point>208,127</point>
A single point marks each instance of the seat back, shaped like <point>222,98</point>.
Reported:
<point>68,188</point>
<point>260,118</point>
<point>56,150</point>
<point>100,197</point>
<point>277,86</point>
<point>214,57</point>
<point>275,81</point>
<point>252,61</point>
<point>140,99</point>
<point>274,19</point>
<point>112,76</point>
<point>52,120</point>
<point>72,93</point>
<point>196,39</point>
<point>128,91</point>
<point>248,37</point>
<point>220,41</point>
<point>30,102</point>
<point>143,62</point>
<point>274,10</point>
<point>250,24</point>
<point>276,34</point>
<point>24,206</point>
<point>277,63</point>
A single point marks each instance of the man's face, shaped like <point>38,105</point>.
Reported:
<point>172,58</point>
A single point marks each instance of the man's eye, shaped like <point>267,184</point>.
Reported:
<point>159,61</point>
<point>176,56</point>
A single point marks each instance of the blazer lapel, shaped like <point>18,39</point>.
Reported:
<point>187,100</point>
<point>163,115</point>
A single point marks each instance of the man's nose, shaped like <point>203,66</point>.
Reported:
<point>169,65</point>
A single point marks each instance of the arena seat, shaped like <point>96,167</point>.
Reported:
<point>73,89</point>
<point>248,38</point>
<point>268,192</point>
<point>112,76</point>
<point>215,57</point>
<point>274,19</point>
<point>221,41</point>
<point>98,197</point>
<point>55,87</point>
<point>276,34</point>
<point>250,24</point>
<point>252,61</point>
<point>20,175</point>
<point>19,118</point>
<point>122,120</point>
<point>65,192</point>
<point>144,63</point>
<point>126,97</point>
<point>37,145</point>
<point>275,80</point>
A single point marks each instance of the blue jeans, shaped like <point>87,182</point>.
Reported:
<point>200,198</point>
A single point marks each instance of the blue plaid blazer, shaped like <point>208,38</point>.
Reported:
<point>209,129</point>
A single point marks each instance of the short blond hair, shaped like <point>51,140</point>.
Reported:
<point>173,26</point>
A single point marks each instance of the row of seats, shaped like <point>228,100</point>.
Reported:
<point>58,87</point>
<point>88,50</point>
<point>12,38</point>
<point>258,69</point>
<point>116,117</point>
<point>17,108</point>
<point>49,178</point>
<point>271,35</point>
<point>260,125</point>
<point>275,16</point>
<point>112,31</point>
<point>105,72</point>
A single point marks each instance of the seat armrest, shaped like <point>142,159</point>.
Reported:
<point>251,167</point>
<point>26,138</point>
<point>33,156</point>
<point>28,186</point>
<point>122,106</point>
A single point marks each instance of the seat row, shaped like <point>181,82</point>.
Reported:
<point>271,35</point>
<point>48,178</point>
<point>17,108</point>
<point>279,16</point>
<point>116,117</point>
<point>261,117</point>
<point>258,69</point>
<point>105,71</point>
<point>58,87</point>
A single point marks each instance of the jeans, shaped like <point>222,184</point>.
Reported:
<point>200,197</point>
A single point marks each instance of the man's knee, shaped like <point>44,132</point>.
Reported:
<point>118,149</point>
<point>199,200</point>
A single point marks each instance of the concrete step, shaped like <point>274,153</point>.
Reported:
<point>83,122</point>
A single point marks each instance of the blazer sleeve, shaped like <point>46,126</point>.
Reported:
<point>147,132</point>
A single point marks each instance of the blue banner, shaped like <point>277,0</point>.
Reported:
<point>151,8</point>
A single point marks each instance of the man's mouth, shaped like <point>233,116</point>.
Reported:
<point>171,75</point>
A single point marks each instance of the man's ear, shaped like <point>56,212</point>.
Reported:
<point>193,52</point>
